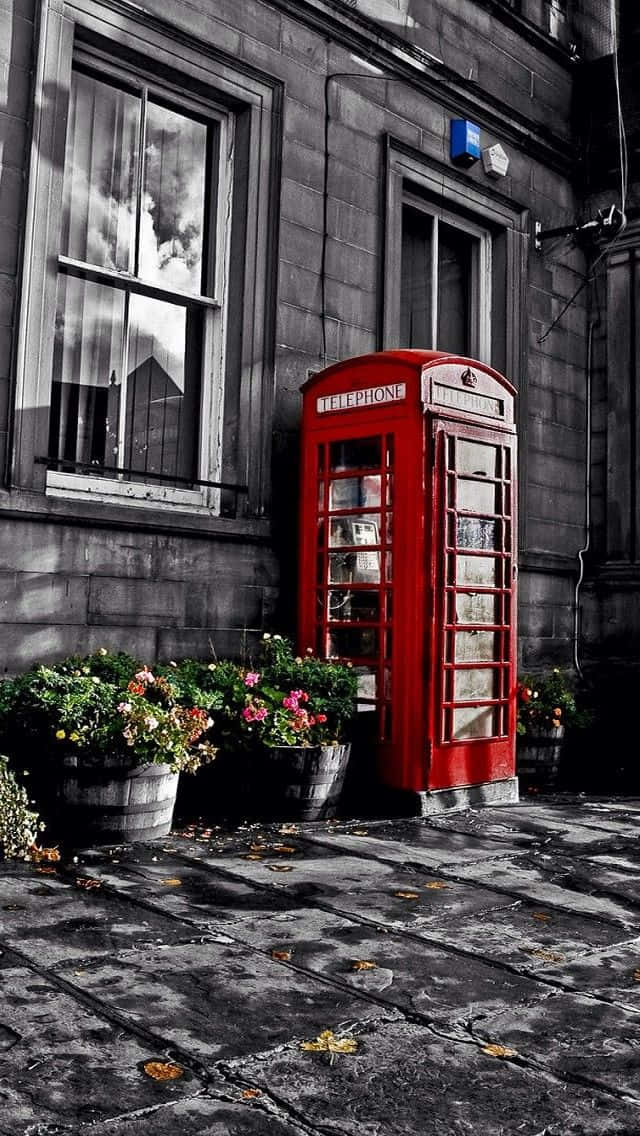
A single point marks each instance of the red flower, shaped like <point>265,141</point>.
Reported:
<point>136,687</point>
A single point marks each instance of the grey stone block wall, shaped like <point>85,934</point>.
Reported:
<point>68,588</point>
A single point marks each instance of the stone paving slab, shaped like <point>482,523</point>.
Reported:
<point>428,847</point>
<point>202,1117</point>
<point>62,1063</point>
<point>535,880</point>
<point>407,973</point>
<point>405,1081</point>
<point>219,1000</point>
<point>576,1037</point>
<point>612,974</point>
<point>51,920</point>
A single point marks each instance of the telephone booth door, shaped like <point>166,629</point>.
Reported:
<point>407,560</point>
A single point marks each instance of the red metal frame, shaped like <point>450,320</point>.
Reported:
<point>399,624</point>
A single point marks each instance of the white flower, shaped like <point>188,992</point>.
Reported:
<point>151,722</point>
<point>94,678</point>
<point>102,650</point>
<point>266,635</point>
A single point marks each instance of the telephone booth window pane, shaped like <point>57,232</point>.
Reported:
<point>360,530</point>
<point>476,646</point>
<point>481,570</point>
<point>355,492</point>
<point>367,688</point>
<point>476,607</point>
<point>320,494</point>
<point>354,568</point>
<point>473,722</point>
<point>470,684</point>
<point>354,606</point>
<point>388,567</point>
<point>354,642</point>
<point>476,458</point>
<point>475,532</point>
<point>356,453</point>
<point>320,534</point>
<point>476,496</point>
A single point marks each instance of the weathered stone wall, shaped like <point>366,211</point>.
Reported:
<point>68,587</point>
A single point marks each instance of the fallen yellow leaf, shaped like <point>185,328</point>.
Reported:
<point>47,871</point>
<point>546,956</point>
<point>541,916</point>
<point>284,848</point>
<point>172,882</point>
<point>327,1042</point>
<point>249,1094</point>
<point>257,847</point>
<point>251,856</point>
<point>163,1070</point>
<point>281,956</point>
<point>87,883</point>
<point>407,894</point>
<point>359,832</point>
<point>499,1051</point>
<point>280,867</point>
<point>636,975</point>
<point>363,964</point>
<point>434,885</point>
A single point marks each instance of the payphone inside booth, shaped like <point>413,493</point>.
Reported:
<point>407,567</point>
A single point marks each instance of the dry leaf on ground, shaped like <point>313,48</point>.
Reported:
<point>249,1094</point>
<point>172,882</point>
<point>285,849</point>
<point>281,956</point>
<point>407,894</point>
<point>87,882</point>
<point>163,1070</point>
<point>541,916</point>
<point>435,885</point>
<point>289,829</point>
<point>251,856</point>
<point>636,975</point>
<point>280,867</point>
<point>499,1051</point>
<point>363,964</point>
<point>327,1042</point>
<point>546,956</point>
<point>47,871</point>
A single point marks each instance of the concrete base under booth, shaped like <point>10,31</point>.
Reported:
<point>431,802</point>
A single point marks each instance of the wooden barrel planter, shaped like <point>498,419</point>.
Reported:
<point>305,782</point>
<point>108,800</point>
<point>538,758</point>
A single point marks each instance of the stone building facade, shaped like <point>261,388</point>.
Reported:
<point>200,203</point>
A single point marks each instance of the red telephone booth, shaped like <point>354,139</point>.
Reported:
<point>408,532</point>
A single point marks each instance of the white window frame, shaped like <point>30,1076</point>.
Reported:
<point>480,290</point>
<point>78,30</point>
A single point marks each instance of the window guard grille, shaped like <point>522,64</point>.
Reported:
<point>53,462</point>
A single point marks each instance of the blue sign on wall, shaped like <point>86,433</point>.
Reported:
<point>465,142</point>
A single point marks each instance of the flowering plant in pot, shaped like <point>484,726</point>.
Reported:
<point>111,741</point>
<point>546,708</point>
<point>297,710</point>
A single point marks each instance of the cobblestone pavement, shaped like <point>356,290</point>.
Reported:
<point>477,973</point>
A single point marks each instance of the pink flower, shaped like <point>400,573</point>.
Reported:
<point>251,678</point>
<point>261,714</point>
<point>145,675</point>
<point>124,707</point>
<point>248,714</point>
<point>291,703</point>
<point>321,718</point>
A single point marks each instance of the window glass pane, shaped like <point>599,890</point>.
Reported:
<point>473,722</point>
<point>480,570</point>
<point>173,205</point>
<point>476,646</point>
<point>471,684</point>
<point>362,529</point>
<point>474,607</point>
<point>455,265</point>
<point>355,607</point>
<point>162,388</point>
<point>98,212</point>
<point>476,496</point>
<point>354,567</point>
<point>476,458</point>
<point>357,453</point>
<point>473,532</point>
<point>354,492</point>
<point>351,642</point>
<point>87,361</point>
<point>415,284</point>
<point>367,687</point>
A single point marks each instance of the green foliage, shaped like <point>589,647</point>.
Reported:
<point>547,702</point>
<point>19,824</point>
<point>297,700</point>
